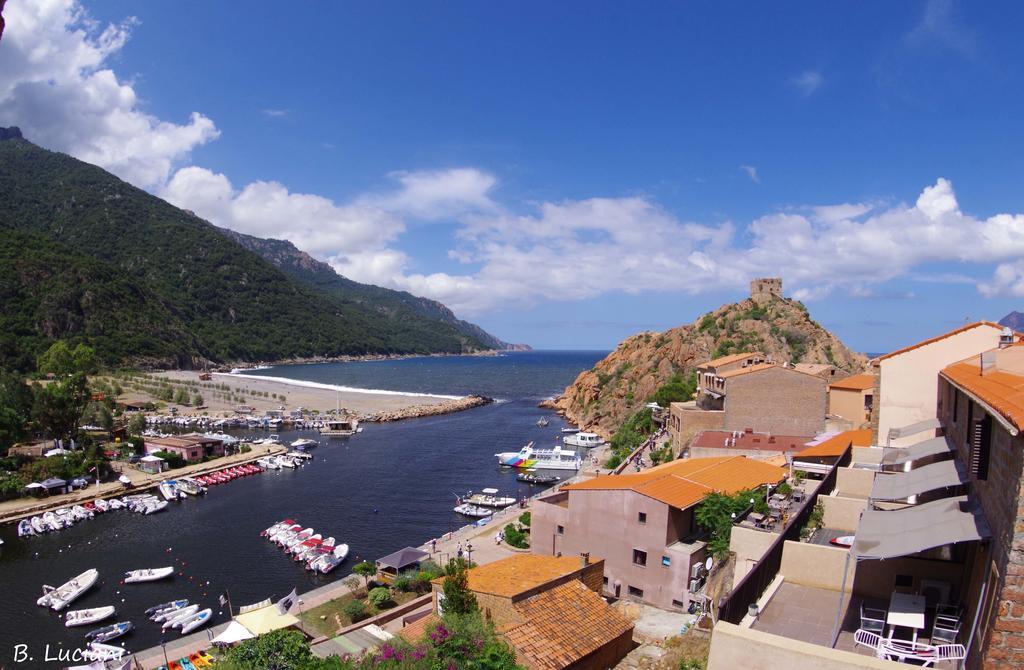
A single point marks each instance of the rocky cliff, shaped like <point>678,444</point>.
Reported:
<point>601,398</point>
<point>1014,320</point>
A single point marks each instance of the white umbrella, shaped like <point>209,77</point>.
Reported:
<point>34,485</point>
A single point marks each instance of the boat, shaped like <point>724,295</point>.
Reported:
<point>109,632</point>
<point>25,528</point>
<point>191,486</point>
<point>83,617</point>
<point>277,526</point>
<point>299,456</point>
<point>178,620</point>
<point>62,596</point>
<point>843,540</point>
<point>102,652</point>
<point>101,505</point>
<point>585,440</point>
<point>466,509</point>
<point>268,463</point>
<point>154,507</point>
<point>570,429</point>
<point>488,498</point>
<point>340,427</point>
<point>531,457</point>
<point>51,521</point>
<point>542,422</point>
<point>115,504</point>
<point>303,443</point>
<point>147,575</point>
<point>38,525</point>
<point>174,604</point>
<point>196,620</point>
<point>286,462</point>
<point>169,490</point>
<point>167,618</point>
<point>531,478</point>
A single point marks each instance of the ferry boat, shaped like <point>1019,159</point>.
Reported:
<point>340,427</point>
<point>529,456</point>
<point>587,440</point>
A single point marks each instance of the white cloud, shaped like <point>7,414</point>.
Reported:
<point>53,84</point>
<point>1007,280</point>
<point>938,26</point>
<point>275,113</point>
<point>752,173</point>
<point>807,82</point>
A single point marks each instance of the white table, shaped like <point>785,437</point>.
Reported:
<point>907,610</point>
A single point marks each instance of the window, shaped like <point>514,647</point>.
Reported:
<point>956,402</point>
<point>605,578</point>
<point>639,557</point>
<point>678,603</point>
<point>635,592</point>
<point>980,444</point>
<point>642,517</point>
<point>560,530</point>
<point>666,561</point>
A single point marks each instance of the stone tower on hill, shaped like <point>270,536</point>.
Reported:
<point>764,289</point>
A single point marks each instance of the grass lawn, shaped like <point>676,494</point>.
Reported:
<point>333,610</point>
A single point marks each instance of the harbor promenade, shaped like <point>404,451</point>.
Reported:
<point>12,511</point>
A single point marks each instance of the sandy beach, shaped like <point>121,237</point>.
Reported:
<point>296,394</point>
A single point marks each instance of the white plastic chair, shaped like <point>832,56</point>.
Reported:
<point>950,652</point>
<point>872,619</point>
<point>868,639</point>
<point>905,650</point>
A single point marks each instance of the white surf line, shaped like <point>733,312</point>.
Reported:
<point>333,387</point>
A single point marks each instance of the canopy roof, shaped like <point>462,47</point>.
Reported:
<point>151,459</point>
<point>53,483</point>
<point>265,620</point>
<point>931,447</point>
<point>889,534</point>
<point>402,558</point>
<point>235,632</point>
<point>914,428</point>
<point>901,485</point>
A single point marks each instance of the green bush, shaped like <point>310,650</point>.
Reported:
<point>245,449</point>
<point>676,389</point>
<point>784,489</point>
<point>525,518</point>
<point>516,537</point>
<point>379,597</point>
<point>355,610</point>
<point>173,460</point>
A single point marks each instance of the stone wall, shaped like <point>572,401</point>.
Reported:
<point>776,400</point>
<point>685,421</point>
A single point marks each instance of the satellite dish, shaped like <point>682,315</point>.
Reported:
<point>708,563</point>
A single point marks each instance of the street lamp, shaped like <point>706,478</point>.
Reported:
<point>469,553</point>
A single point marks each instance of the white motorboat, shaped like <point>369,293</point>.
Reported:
<point>147,575</point>
<point>109,632</point>
<point>299,539</point>
<point>115,504</point>
<point>38,525</point>
<point>169,490</point>
<point>299,456</point>
<point>542,422</point>
<point>165,607</point>
<point>303,443</point>
<point>98,651</point>
<point>570,429</point>
<point>268,463</point>
<point>154,507</point>
<point>317,540</point>
<point>585,440</point>
<point>102,505</point>
<point>529,456</point>
<point>340,427</point>
<point>51,521</point>
<point>25,528</point>
<point>191,486</point>
<point>179,618</point>
<point>62,596</point>
<point>166,617</point>
<point>273,439</point>
<point>488,498</point>
<point>466,509</point>
<point>286,462</point>
<point>196,620</point>
<point>84,617</point>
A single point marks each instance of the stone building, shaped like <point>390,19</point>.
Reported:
<point>765,289</point>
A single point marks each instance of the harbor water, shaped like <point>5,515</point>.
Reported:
<point>390,486</point>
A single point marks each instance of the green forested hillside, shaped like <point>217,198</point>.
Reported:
<point>88,256</point>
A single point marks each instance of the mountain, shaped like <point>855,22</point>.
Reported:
<point>86,256</point>
<point>1014,320</point>
<point>396,306</point>
<point>603,397</point>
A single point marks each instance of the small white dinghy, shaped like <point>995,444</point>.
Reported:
<point>196,620</point>
<point>147,575</point>
<point>83,617</point>
<point>180,615</point>
<point>62,596</point>
<point>103,652</point>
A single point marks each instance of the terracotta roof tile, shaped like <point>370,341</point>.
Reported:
<point>715,439</point>
<point>923,343</point>
<point>516,574</point>
<point>563,625</point>
<point>684,483</point>
<point>861,382</point>
<point>1002,391</point>
<point>747,370</point>
<point>837,444</point>
<point>418,628</point>
<point>731,358</point>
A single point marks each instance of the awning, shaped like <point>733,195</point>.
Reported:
<point>235,632</point>
<point>53,483</point>
<point>151,459</point>
<point>931,447</point>
<point>902,485</point>
<point>266,619</point>
<point>914,529</point>
<point>402,558</point>
<point>914,428</point>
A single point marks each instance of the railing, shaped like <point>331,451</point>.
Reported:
<point>734,606</point>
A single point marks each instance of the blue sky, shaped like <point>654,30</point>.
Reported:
<point>568,175</point>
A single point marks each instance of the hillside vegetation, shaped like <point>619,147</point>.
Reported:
<point>603,397</point>
<point>88,257</point>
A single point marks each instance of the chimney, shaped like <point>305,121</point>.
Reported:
<point>988,362</point>
<point>584,559</point>
<point>1005,338</point>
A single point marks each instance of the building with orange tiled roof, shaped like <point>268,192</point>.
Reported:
<point>548,608</point>
<point>643,524</point>
<point>852,399</point>
<point>751,392</point>
<point>907,379</point>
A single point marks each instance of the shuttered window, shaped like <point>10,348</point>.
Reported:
<point>981,442</point>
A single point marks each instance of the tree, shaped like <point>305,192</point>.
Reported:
<point>458,599</point>
<point>197,400</point>
<point>137,424</point>
<point>379,596</point>
<point>61,360</point>
<point>365,570</point>
<point>181,396</point>
<point>106,418</point>
<point>15,409</point>
<point>355,610</point>
<point>59,405</point>
<point>285,649</point>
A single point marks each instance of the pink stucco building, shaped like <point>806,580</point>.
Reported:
<point>643,524</point>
